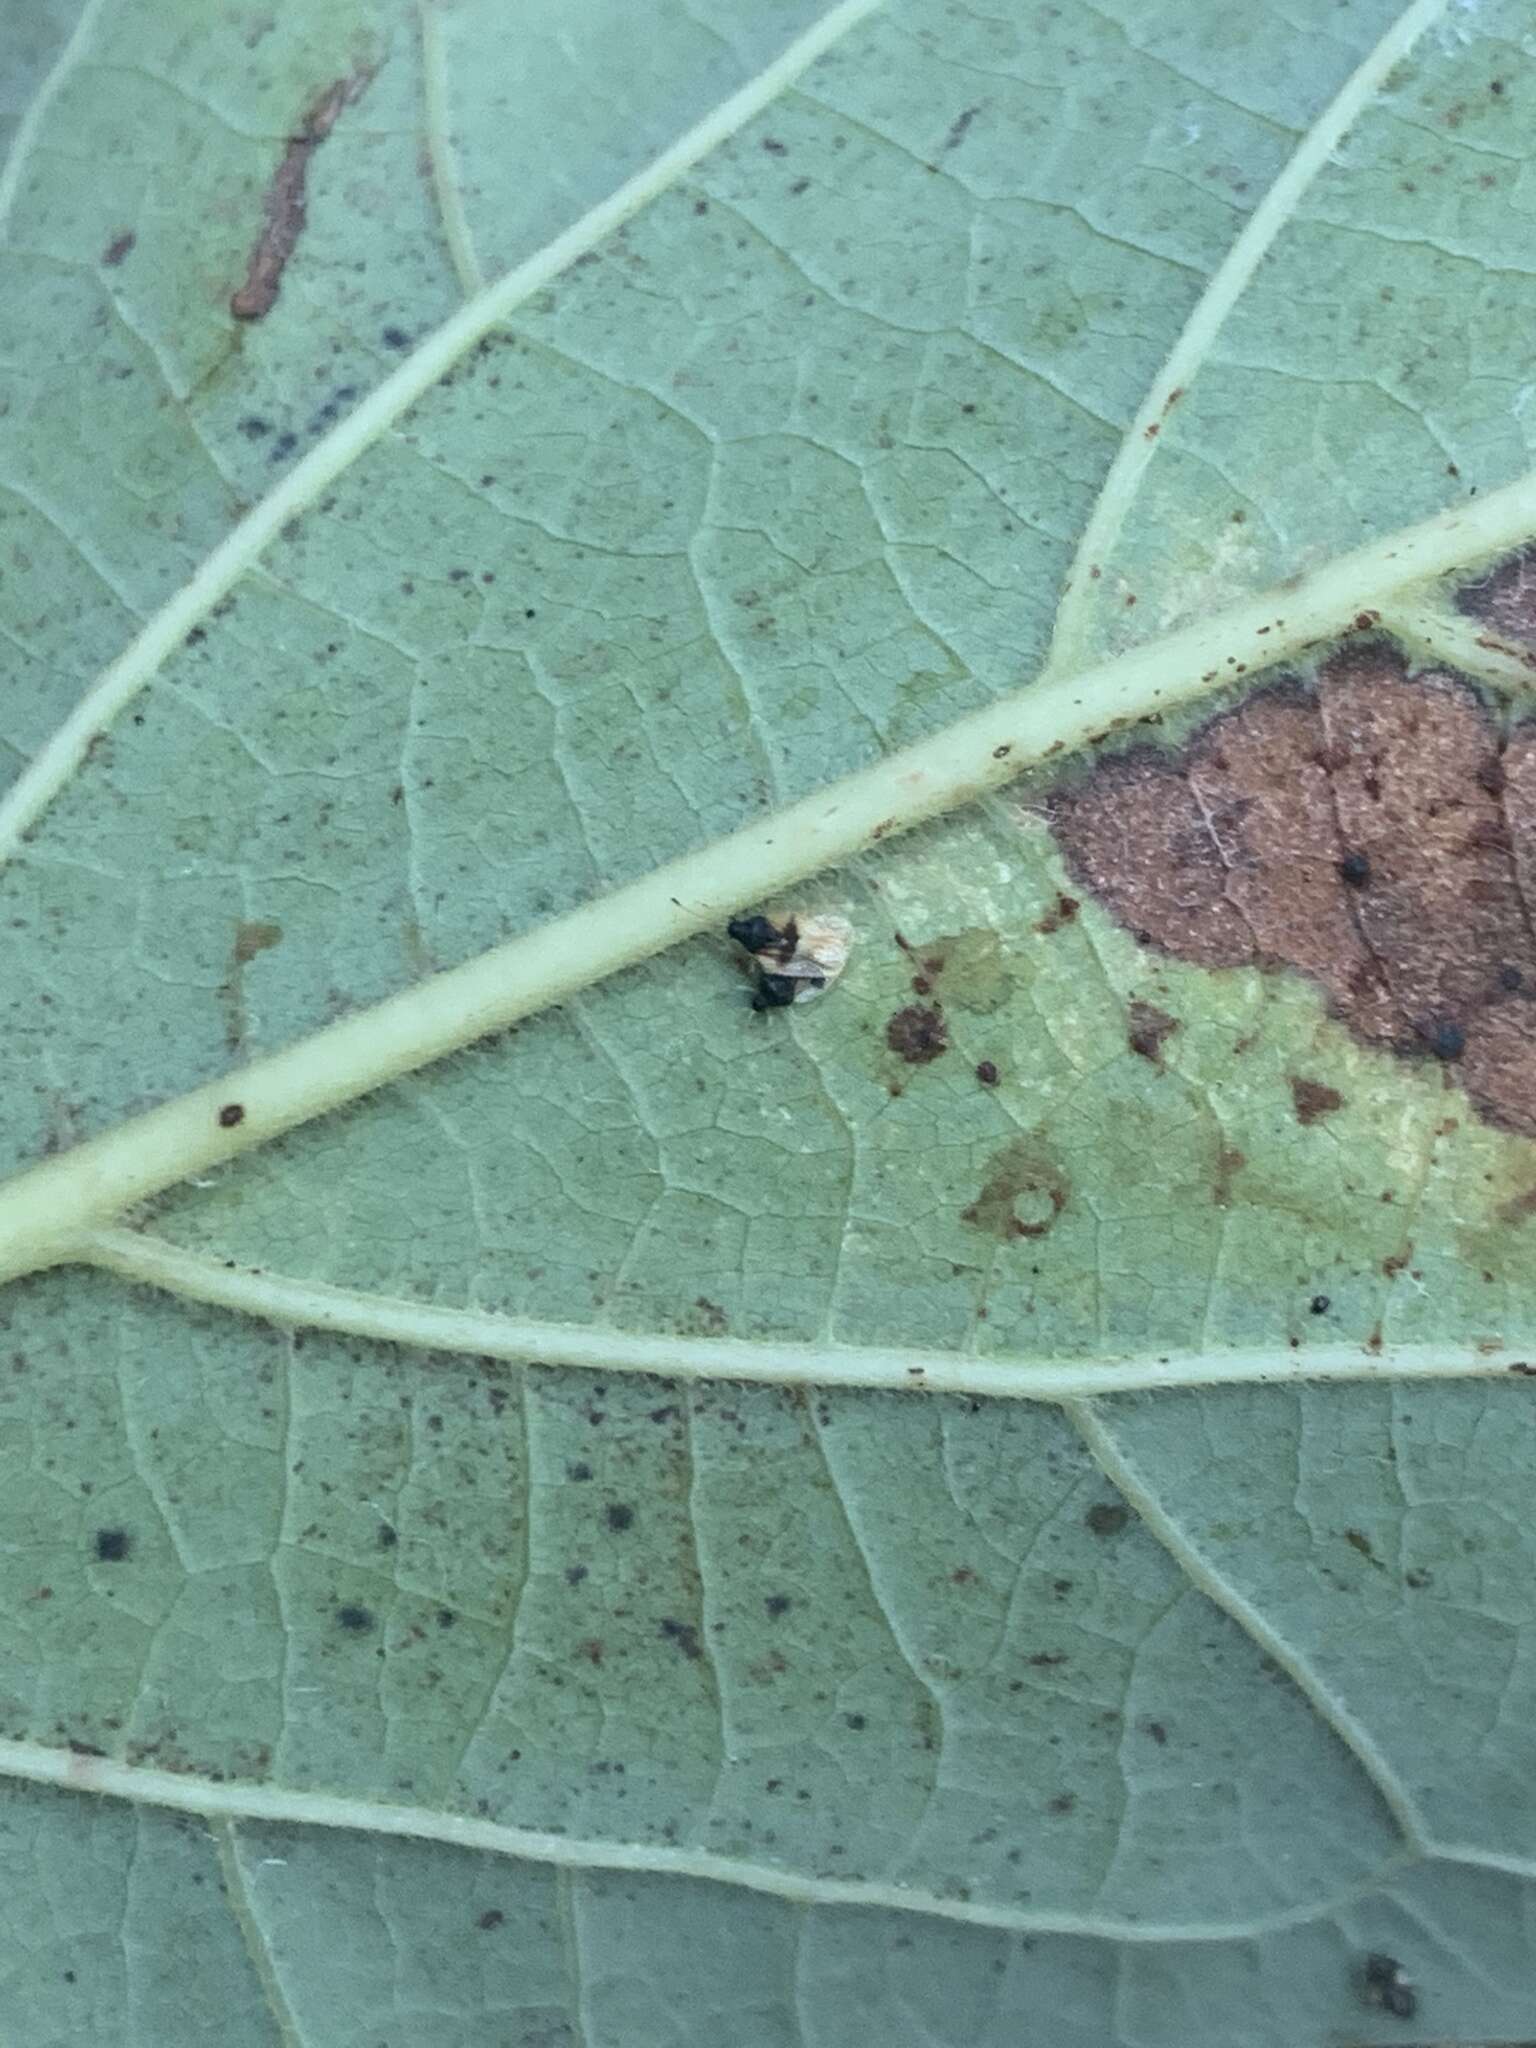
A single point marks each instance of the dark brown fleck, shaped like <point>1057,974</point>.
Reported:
<point>1146,1028</point>
<point>1313,1099</point>
<point>118,248</point>
<point>1107,1517</point>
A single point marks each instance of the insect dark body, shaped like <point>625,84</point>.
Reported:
<point>792,961</point>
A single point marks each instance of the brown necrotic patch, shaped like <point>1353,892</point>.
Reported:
<point>1505,599</point>
<point>1375,832</point>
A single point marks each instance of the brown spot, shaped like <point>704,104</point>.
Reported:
<point>231,1114</point>
<point>918,1033</point>
<point>986,1073</point>
<point>118,248</point>
<point>1369,834</point>
<point>1146,1028</point>
<point>1313,1099</point>
<point>1024,1193</point>
<point>1062,911</point>
<point>283,205</point>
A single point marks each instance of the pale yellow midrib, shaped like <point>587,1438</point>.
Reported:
<point>35,1763</point>
<point>293,1303</point>
<point>46,1209</point>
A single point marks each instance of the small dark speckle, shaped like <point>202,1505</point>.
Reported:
<point>113,1545</point>
<point>1062,1803</point>
<point>395,337</point>
<point>231,1114</point>
<point>618,1516</point>
<point>574,1574</point>
<point>1355,870</point>
<point>774,147</point>
<point>1107,1517</point>
<point>388,1536</point>
<point>446,1617</point>
<point>1385,1985</point>
<point>492,1917</point>
<point>355,1620</point>
<point>255,429</point>
<point>855,1721</point>
<point>1319,1305</point>
<point>118,248</point>
<point>778,1603</point>
<point>685,1635</point>
<point>283,447</point>
<point>986,1073</point>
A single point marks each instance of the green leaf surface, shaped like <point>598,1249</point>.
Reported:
<point>973,1510</point>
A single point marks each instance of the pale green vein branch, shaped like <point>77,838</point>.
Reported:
<point>1202,1575</point>
<point>37,1764</point>
<point>428,1326</point>
<point>30,125</point>
<point>1228,281</point>
<point>440,152</point>
<point>1431,633</point>
<point>124,677</point>
<point>238,1896</point>
<point>45,1210</point>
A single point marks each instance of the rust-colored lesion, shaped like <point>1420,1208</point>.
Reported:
<point>1374,831</point>
<point>283,207</point>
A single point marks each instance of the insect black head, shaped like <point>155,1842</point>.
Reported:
<point>758,934</point>
<point>774,991</point>
<point>1355,870</point>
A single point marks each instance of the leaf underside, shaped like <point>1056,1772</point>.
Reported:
<point>653,1684</point>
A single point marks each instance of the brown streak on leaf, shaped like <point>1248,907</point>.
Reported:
<point>283,206</point>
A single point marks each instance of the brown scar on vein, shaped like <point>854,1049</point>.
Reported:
<point>1374,831</point>
<point>252,936</point>
<point>283,210</point>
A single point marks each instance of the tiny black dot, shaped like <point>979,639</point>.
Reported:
<point>619,1517</point>
<point>354,1619</point>
<point>1320,1304</point>
<point>395,337</point>
<point>388,1537</point>
<point>1355,870</point>
<point>113,1545</point>
<point>231,1114</point>
<point>855,1721</point>
<point>1447,1041</point>
<point>777,1603</point>
<point>1511,978</point>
